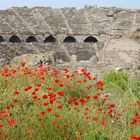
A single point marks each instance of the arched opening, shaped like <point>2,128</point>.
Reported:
<point>91,39</point>
<point>31,39</point>
<point>15,39</point>
<point>50,39</point>
<point>69,39</point>
<point>1,39</point>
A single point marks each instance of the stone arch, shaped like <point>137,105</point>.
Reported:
<point>31,39</point>
<point>1,39</point>
<point>14,39</point>
<point>69,39</point>
<point>90,39</point>
<point>50,39</point>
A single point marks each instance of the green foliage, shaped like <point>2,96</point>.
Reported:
<point>135,86</point>
<point>116,80</point>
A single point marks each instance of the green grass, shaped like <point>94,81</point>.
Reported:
<point>86,113</point>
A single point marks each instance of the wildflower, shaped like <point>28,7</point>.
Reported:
<point>45,104</point>
<point>29,132</point>
<point>23,64</point>
<point>66,132</point>
<point>53,122</point>
<point>94,79</point>
<point>35,97</point>
<point>16,92</point>
<point>61,85</point>
<point>6,135</point>
<point>71,122</point>
<point>58,126</point>
<point>4,114</point>
<point>60,93</point>
<point>134,137</point>
<point>43,113</point>
<point>33,93</point>
<point>51,88</point>
<point>135,119</point>
<point>83,101</point>
<point>1,125</point>
<point>8,107</point>
<point>76,103</point>
<point>80,132</point>
<point>59,107</point>
<point>57,81</point>
<point>57,116</point>
<point>49,109</point>
<point>103,122</point>
<point>95,96</point>
<point>11,122</point>
<point>40,119</point>
<point>87,97</point>
<point>15,101</point>
<point>28,88</point>
<point>37,85</point>
<point>51,101</point>
<point>45,96</point>
<point>36,89</point>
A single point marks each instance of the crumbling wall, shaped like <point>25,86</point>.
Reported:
<point>103,24</point>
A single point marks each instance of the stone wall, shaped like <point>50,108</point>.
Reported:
<point>24,30</point>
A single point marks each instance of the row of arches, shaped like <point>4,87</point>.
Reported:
<point>51,39</point>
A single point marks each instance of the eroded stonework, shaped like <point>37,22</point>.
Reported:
<point>94,35</point>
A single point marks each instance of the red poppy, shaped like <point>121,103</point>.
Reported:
<point>59,107</point>
<point>45,104</point>
<point>57,116</point>
<point>4,114</point>
<point>58,126</point>
<point>15,101</point>
<point>36,89</point>
<point>29,132</point>
<point>49,109</point>
<point>57,81</point>
<point>61,85</point>
<point>45,96</point>
<point>43,113</point>
<point>11,122</point>
<point>37,85</point>
<point>1,125</point>
<point>95,96</point>
<point>8,107</point>
<point>16,92</point>
<point>23,64</point>
<point>53,122</point>
<point>40,119</point>
<point>35,97</point>
<point>60,93</point>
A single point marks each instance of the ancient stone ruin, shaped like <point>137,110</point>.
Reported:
<point>100,39</point>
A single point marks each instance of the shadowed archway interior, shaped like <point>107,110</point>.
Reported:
<point>1,39</point>
<point>91,39</point>
<point>31,39</point>
<point>69,39</point>
<point>14,39</point>
<point>50,39</point>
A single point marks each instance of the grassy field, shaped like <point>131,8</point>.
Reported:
<point>47,104</point>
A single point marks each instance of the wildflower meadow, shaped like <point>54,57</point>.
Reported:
<point>45,103</point>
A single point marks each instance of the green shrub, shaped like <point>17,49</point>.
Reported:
<point>116,80</point>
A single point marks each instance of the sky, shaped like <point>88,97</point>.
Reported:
<point>132,4</point>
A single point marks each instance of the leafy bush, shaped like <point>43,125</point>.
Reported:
<point>116,80</point>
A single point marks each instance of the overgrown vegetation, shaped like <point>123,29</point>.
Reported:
<point>44,103</point>
<point>135,35</point>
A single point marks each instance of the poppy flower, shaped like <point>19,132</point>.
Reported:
<point>16,92</point>
<point>11,122</point>
<point>49,109</point>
